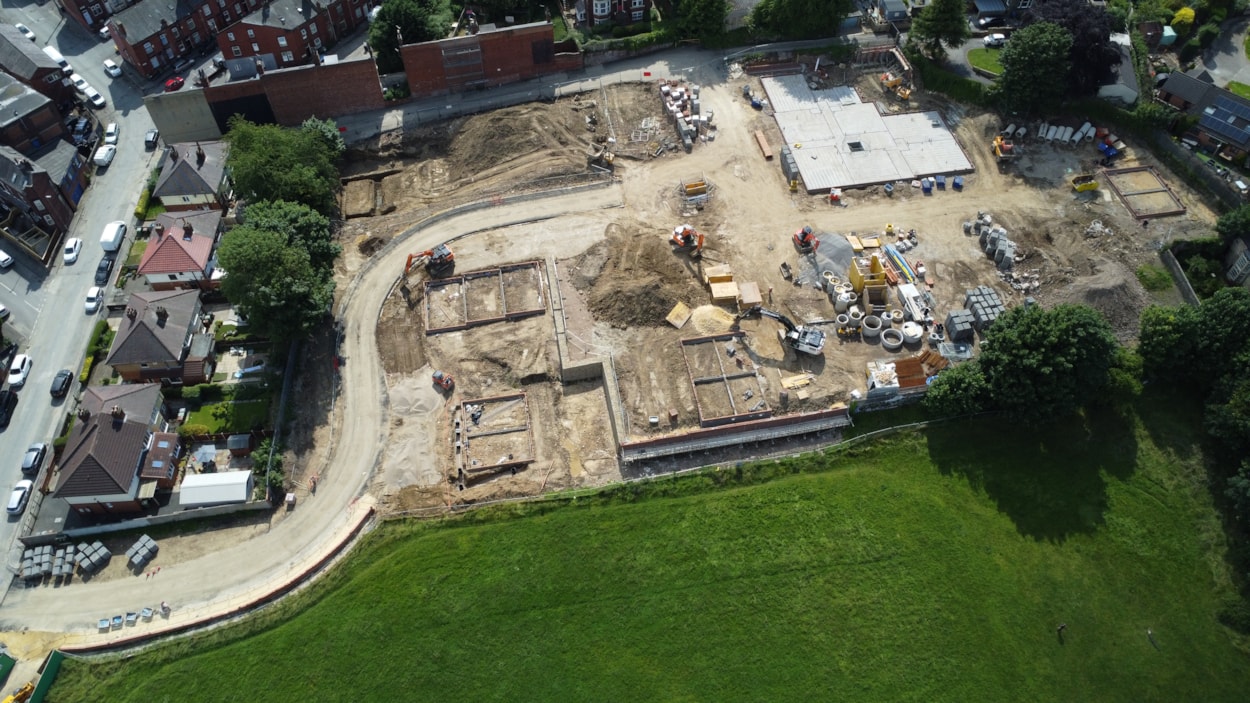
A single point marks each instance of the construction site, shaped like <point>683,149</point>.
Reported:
<point>725,303</point>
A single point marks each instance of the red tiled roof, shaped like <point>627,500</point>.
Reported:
<point>171,253</point>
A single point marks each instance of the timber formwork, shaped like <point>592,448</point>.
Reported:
<point>475,298</point>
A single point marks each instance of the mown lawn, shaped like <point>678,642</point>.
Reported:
<point>986,59</point>
<point>231,415</point>
<point>931,566</point>
<point>1239,88</point>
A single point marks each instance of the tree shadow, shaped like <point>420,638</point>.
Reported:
<point>1047,478</point>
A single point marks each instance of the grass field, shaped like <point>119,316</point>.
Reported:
<point>986,59</point>
<point>930,566</point>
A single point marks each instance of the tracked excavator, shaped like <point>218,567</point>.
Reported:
<point>687,239</point>
<point>438,261</point>
<point>801,339</point>
<point>805,241</point>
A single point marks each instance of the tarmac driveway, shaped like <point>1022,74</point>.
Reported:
<point>1226,59</point>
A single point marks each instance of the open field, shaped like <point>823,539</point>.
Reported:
<point>928,566</point>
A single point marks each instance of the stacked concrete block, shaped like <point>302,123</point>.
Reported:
<point>960,326</point>
<point>142,552</point>
<point>997,245</point>
<point>985,306</point>
<point>93,557</point>
<point>789,166</point>
<point>38,562</point>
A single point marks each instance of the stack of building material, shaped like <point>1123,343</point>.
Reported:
<point>142,551</point>
<point>960,326</point>
<point>749,295</point>
<point>998,246</point>
<point>93,557</point>
<point>985,306</point>
<point>682,104</point>
<point>37,562</point>
<point>720,279</point>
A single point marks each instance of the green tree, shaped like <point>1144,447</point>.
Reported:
<point>1035,65</point>
<point>300,225</point>
<point>273,282</point>
<point>1183,21</point>
<point>1091,55</point>
<point>1238,491</point>
<point>959,390</point>
<point>260,458</point>
<point>268,162</point>
<point>414,21</point>
<point>702,18</point>
<point>941,22</point>
<point>1168,341</point>
<point>1040,363</point>
<point>799,19</point>
<point>1234,224</point>
<point>329,132</point>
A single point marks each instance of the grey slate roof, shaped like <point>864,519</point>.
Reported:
<point>284,14</point>
<point>102,457</point>
<point>138,400</point>
<point>55,158</point>
<point>184,176</point>
<point>11,171</point>
<point>17,99</point>
<point>143,19</point>
<point>21,56</point>
<point>145,338</point>
<point>1187,88</point>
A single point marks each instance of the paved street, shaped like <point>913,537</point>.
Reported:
<point>47,303</point>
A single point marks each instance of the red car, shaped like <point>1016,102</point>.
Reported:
<point>174,84</point>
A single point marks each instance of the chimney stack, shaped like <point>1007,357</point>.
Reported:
<point>186,231</point>
<point>131,313</point>
<point>117,412</point>
<point>200,156</point>
<point>159,229</point>
<point>161,313</point>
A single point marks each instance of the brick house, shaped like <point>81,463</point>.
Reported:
<point>194,177</point>
<point>35,211</point>
<point>179,254</point>
<point>161,338</point>
<point>292,31</point>
<point>112,442</point>
<point>622,12</point>
<point>1182,91</point>
<point>28,120</point>
<point>1223,117</point>
<point>91,14</point>
<point>154,36</point>
<point>25,61</point>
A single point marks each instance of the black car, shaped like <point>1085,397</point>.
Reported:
<point>60,384</point>
<point>151,138</point>
<point>8,401</point>
<point>103,271</point>
<point>33,461</point>
<point>987,22</point>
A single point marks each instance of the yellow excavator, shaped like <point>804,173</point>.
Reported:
<point>1003,149</point>
<point>894,83</point>
<point>21,694</point>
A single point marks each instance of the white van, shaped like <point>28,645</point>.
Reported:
<point>60,60</point>
<point>114,233</point>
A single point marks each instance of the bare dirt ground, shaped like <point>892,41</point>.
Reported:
<point>619,278</point>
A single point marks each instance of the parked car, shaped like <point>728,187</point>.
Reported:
<point>994,40</point>
<point>8,401</point>
<point>151,139</point>
<point>19,370</point>
<point>103,271</point>
<point>987,22</point>
<point>73,247</point>
<point>95,296</point>
<point>80,83</point>
<point>111,67</point>
<point>33,461</point>
<point>174,84</point>
<point>4,312</point>
<point>93,96</point>
<point>5,260</point>
<point>25,31</point>
<point>104,33</point>
<point>61,383</point>
<point>20,496</point>
<point>110,133</point>
<point>104,155</point>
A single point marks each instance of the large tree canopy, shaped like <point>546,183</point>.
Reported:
<point>1092,56</point>
<point>1234,224</point>
<point>268,162</point>
<point>701,18</point>
<point>800,19</point>
<point>413,20</point>
<point>300,225</point>
<point>1035,63</point>
<point>273,282</point>
<point>941,22</point>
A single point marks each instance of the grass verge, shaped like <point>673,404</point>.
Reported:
<point>1240,89</point>
<point>1154,278</point>
<point>931,566</point>
<point>986,59</point>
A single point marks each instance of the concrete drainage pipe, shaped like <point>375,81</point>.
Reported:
<point>872,327</point>
<point>892,339</point>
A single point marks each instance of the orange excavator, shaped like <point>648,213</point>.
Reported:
<point>438,261</point>
<point>688,239</point>
<point>444,381</point>
<point>805,241</point>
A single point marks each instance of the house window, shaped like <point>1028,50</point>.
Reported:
<point>359,12</point>
<point>317,42</point>
<point>281,41</point>
<point>256,48</point>
<point>314,29</point>
<point>173,276</point>
<point>251,34</point>
<point>639,4</point>
<point>238,8</point>
<point>195,38</point>
<point>208,11</point>
<point>287,57</point>
<point>39,205</point>
<point>601,7</point>
<point>212,26</point>
<point>97,10</point>
<point>636,15</point>
<point>221,4</point>
<point>176,32</point>
<point>53,78</point>
<point>1024,4</point>
<point>229,36</point>
<point>164,40</point>
<point>303,33</point>
<point>235,50</point>
<point>149,48</point>
<point>47,219</point>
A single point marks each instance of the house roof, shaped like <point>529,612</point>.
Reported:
<point>18,99</point>
<point>184,172</point>
<point>102,457</point>
<point>161,461</point>
<point>21,56</point>
<point>139,401</point>
<point>143,336</point>
<point>1228,117</point>
<point>176,252</point>
<point>57,158</point>
<point>1187,88</point>
<point>991,6</point>
<point>143,19</point>
<point>14,168</point>
<point>282,14</point>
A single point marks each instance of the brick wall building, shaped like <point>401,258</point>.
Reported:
<point>25,61</point>
<point>489,58</point>
<point>28,120</point>
<point>292,31</point>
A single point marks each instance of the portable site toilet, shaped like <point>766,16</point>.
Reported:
<point>941,182</point>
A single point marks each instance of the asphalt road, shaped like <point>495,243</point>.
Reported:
<point>47,303</point>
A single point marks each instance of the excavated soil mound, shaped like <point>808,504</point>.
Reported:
<point>633,278</point>
<point>1113,292</point>
<point>710,319</point>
